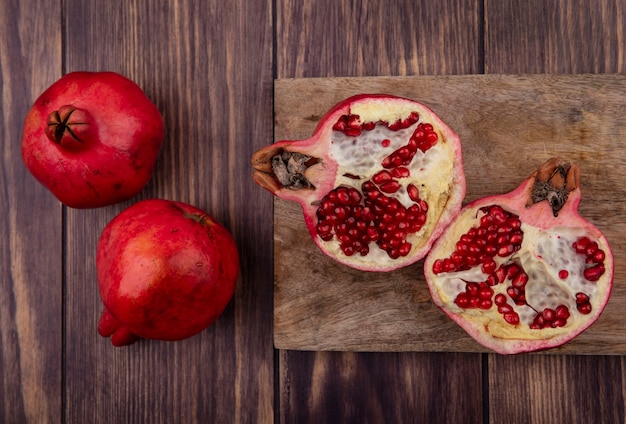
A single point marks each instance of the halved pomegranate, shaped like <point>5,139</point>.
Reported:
<point>378,181</point>
<point>523,271</point>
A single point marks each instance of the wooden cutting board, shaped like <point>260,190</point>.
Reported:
<point>508,125</point>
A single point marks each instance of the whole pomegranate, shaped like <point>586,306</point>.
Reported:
<point>92,139</point>
<point>523,271</point>
<point>166,270</point>
<point>378,180</point>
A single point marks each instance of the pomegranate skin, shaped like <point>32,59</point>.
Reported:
<point>92,139</point>
<point>166,271</point>
<point>547,258</point>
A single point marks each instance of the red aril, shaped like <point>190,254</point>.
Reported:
<point>378,180</point>
<point>523,271</point>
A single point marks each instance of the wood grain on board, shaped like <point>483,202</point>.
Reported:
<point>508,125</point>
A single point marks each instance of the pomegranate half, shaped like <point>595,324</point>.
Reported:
<point>523,271</point>
<point>378,181</point>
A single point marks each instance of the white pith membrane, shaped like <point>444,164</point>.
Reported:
<point>543,256</point>
<point>361,156</point>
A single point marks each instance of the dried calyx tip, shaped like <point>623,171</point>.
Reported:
<point>553,182</point>
<point>289,167</point>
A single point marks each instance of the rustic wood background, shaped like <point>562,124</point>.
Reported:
<point>210,66</point>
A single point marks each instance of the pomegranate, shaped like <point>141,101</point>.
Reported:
<point>378,180</point>
<point>92,139</point>
<point>166,270</point>
<point>523,271</point>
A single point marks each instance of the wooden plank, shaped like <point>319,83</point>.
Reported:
<point>561,37</point>
<point>508,125</point>
<point>207,66</point>
<point>358,387</point>
<point>564,37</point>
<point>31,275</point>
<point>369,38</point>
<point>556,388</point>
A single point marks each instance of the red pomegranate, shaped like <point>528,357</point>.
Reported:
<point>166,270</point>
<point>523,271</point>
<point>92,139</point>
<point>378,180</point>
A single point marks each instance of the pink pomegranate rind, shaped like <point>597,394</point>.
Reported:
<point>535,287</point>
<point>378,181</point>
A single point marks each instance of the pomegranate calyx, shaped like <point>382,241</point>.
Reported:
<point>553,182</point>
<point>68,126</point>
<point>289,167</point>
<point>277,168</point>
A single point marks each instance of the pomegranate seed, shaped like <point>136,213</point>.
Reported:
<point>591,248</point>
<point>354,121</point>
<point>512,318</point>
<point>472,288</point>
<point>581,298</point>
<point>461,246</point>
<point>505,250</point>
<point>413,192</point>
<point>488,266</point>
<point>326,236</point>
<point>405,249</point>
<point>500,299</point>
<point>341,124</point>
<point>341,212</point>
<point>505,308</point>
<point>513,292</point>
<point>538,323</point>
<point>385,143</point>
<point>562,312</point>
<point>348,250</point>
<point>485,292</point>
<point>490,250</point>
<point>368,126</point>
<point>438,266</point>
<point>352,132</point>
<point>594,273</point>
<point>580,244</point>
<point>395,126</point>
<point>400,172</point>
<point>382,177</point>
<point>390,187</point>
<point>516,237</point>
<point>485,303</point>
<point>582,303</point>
<point>598,256</point>
<point>512,270</point>
<point>520,280</point>
<point>462,300</point>
<point>485,220</point>
<point>563,274</point>
<point>549,314</point>
<point>500,274</point>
